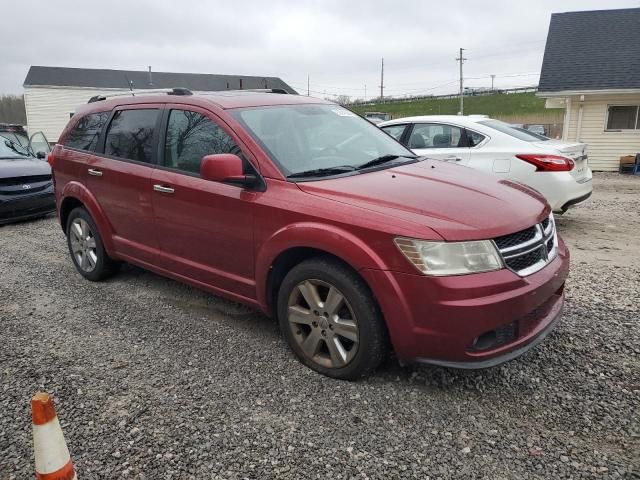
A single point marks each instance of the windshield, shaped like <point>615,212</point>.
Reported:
<point>517,132</point>
<point>9,148</point>
<point>16,137</point>
<point>300,138</point>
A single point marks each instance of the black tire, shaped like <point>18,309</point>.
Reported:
<point>105,266</point>
<point>373,344</point>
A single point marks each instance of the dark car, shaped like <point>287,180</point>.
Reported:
<point>37,143</point>
<point>304,210</point>
<point>26,188</point>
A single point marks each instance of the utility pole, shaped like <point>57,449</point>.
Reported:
<point>461,59</point>
<point>308,85</point>
<point>382,81</point>
<point>365,92</point>
<point>492,78</point>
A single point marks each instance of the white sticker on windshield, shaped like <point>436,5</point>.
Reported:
<point>343,112</point>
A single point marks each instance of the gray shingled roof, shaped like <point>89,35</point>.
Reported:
<point>102,78</point>
<point>592,51</point>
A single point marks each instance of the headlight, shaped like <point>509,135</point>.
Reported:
<point>451,258</point>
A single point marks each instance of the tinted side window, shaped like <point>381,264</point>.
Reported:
<point>191,136</point>
<point>395,131</point>
<point>474,138</point>
<point>433,135</point>
<point>84,135</point>
<point>130,135</point>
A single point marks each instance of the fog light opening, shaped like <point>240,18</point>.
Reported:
<point>484,341</point>
<point>496,338</point>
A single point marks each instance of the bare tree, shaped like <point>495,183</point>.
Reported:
<point>12,109</point>
<point>343,99</point>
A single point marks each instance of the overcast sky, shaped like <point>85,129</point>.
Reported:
<point>338,43</point>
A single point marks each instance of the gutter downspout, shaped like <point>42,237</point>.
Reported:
<point>567,119</point>
<point>579,127</point>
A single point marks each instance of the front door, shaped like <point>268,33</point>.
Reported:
<point>119,176</point>
<point>439,140</point>
<point>39,145</point>
<point>205,228</point>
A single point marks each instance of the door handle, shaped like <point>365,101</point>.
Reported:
<point>457,159</point>
<point>163,189</point>
<point>94,172</point>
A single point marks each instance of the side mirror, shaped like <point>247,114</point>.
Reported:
<point>41,155</point>
<point>225,167</point>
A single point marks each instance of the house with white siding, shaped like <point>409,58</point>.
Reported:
<point>591,68</point>
<point>52,94</point>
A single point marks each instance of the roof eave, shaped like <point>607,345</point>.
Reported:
<point>569,93</point>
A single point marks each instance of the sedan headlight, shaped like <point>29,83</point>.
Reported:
<point>451,258</point>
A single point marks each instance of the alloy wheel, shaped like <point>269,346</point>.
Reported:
<point>323,323</point>
<point>83,245</point>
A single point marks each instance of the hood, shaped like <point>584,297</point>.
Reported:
<point>457,202</point>
<point>571,150</point>
<point>23,167</point>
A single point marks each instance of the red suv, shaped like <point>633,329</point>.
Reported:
<point>302,209</point>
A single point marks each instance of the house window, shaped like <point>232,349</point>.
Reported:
<point>622,117</point>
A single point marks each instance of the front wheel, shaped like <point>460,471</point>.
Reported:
<point>330,320</point>
<point>86,247</point>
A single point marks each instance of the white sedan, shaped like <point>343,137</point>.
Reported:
<point>558,170</point>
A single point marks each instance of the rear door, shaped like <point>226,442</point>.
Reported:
<point>119,176</point>
<point>205,228</point>
<point>439,140</point>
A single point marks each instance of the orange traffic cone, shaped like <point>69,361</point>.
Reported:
<point>53,461</point>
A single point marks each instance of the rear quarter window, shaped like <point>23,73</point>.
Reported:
<point>84,135</point>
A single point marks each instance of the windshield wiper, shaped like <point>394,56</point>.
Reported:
<point>319,172</point>
<point>383,159</point>
<point>20,151</point>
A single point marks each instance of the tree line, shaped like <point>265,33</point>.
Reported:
<point>12,109</point>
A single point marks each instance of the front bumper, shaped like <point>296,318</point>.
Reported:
<point>14,208</point>
<point>440,319</point>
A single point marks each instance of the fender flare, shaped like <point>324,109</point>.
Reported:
<point>328,238</point>
<point>81,193</point>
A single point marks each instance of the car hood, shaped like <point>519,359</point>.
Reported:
<point>23,167</point>
<point>456,202</point>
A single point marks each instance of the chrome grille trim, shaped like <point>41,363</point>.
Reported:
<point>545,233</point>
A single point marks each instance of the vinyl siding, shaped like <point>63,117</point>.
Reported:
<point>605,148</point>
<point>49,108</point>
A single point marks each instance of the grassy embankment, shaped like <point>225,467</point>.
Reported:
<point>514,108</point>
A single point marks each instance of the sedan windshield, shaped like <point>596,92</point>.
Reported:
<point>512,130</point>
<point>319,140</point>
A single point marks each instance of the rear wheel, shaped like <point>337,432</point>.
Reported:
<point>86,247</point>
<point>330,319</point>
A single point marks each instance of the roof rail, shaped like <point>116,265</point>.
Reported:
<point>245,90</point>
<point>132,93</point>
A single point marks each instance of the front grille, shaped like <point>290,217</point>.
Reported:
<point>525,261</point>
<point>527,251</point>
<point>24,180</point>
<point>545,223</point>
<point>24,185</point>
<point>517,238</point>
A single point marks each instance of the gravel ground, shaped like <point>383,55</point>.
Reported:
<point>157,380</point>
